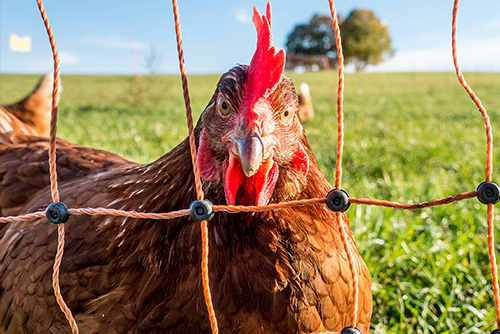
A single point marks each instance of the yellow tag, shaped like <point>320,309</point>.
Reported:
<point>19,44</point>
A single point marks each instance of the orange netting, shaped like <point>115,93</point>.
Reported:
<point>277,206</point>
<point>53,174</point>
<point>489,162</point>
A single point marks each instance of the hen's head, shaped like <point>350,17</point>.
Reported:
<point>250,129</point>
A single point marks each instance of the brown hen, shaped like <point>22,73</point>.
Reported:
<point>280,271</point>
<point>306,109</point>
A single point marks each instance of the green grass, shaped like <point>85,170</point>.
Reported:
<point>408,137</point>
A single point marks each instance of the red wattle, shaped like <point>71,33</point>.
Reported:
<point>255,190</point>
<point>232,173</point>
<point>265,182</point>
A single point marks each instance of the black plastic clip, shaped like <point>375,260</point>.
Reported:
<point>338,200</point>
<point>350,330</point>
<point>488,193</point>
<point>201,210</point>
<point>57,213</point>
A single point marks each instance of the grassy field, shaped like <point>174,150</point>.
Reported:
<point>409,137</point>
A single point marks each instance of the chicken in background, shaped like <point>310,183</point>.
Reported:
<point>31,115</point>
<point>283,271</point>
<point>306,110</point>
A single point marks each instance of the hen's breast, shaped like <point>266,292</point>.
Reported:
<point>285,272</point>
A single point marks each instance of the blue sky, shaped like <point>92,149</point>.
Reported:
<point>94,36</point>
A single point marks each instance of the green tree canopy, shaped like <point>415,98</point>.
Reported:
<point>315,38</point>
<point>365,39</point>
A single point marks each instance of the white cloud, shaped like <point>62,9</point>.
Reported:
<point>491,24</point>
<point>110,41</point>
<point>241,15</point>
<point>69,58</point>
<point>432,59</point>
<point>473,55</point>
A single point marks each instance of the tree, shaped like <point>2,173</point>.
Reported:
<point>365,40</point>
<point>153,60</point>
<point>315,38</point>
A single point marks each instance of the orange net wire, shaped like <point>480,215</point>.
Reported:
<point>338,164</point>
<point>196,171</point>
<point>53,173</point>
<point>489,162</point>
<point>352,267</point>
<point>185,91</point>
<point>340,97</point>
<point>276,206</point>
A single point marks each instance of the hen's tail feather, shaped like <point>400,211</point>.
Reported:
<point>9,122</point>
<point>34,109</point>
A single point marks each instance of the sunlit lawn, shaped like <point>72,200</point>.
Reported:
<point>409,137</point>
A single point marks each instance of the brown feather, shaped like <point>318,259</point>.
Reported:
<point>30,115</point>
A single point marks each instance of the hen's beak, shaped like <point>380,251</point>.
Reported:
<point>251,152</point>
<point>250,173</point>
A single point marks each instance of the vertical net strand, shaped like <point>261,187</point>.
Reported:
<point>54,108</point>
<point>205,280</point>
<point>338,166</point>
<point>473,96</point>
<point>52,170</point>
<point>340,97</point>
<point>352,267</point>
<point>493,260</point>
<point>488,163</point>
<point>185,90</point>
<point>196,171</point>
<point>55,280</point>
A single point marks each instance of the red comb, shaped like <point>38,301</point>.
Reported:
<point>267,65</point>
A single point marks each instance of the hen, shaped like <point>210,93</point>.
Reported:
<point>306,109</point>
<point>31,115</point>
<point>280,271</point>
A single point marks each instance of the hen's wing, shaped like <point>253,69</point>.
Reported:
<point>24,167</point>
<point>27,248</point>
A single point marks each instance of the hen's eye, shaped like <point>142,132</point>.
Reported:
<point>223,106</point>
<point>286,115</point>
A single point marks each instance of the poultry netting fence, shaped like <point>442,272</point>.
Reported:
<point>202,210</point>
